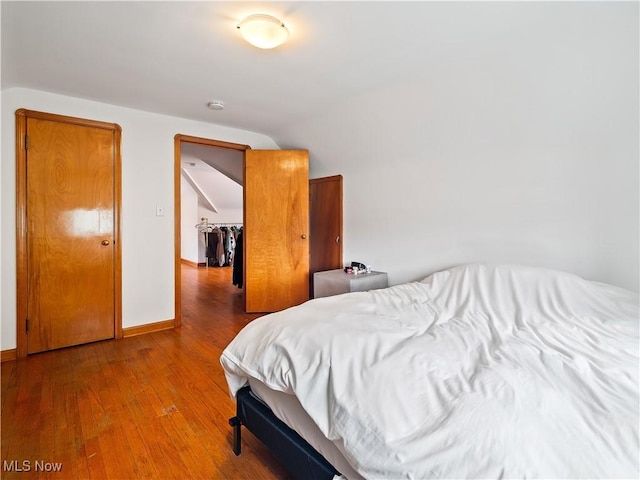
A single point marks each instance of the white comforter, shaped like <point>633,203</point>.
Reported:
<point>475,372</point>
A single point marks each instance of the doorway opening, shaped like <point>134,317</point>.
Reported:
<point>206,170</point>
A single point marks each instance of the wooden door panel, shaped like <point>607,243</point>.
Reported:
<point>276,229</point>
<point>70,213</point>
<point>325,225</point>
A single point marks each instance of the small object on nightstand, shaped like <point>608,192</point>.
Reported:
<point>335,282</point>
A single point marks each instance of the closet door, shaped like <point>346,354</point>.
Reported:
<point>67,272</point>
<point>325,225</point>
<point>276,229</point>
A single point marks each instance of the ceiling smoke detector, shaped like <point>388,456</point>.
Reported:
<point>216,105</point>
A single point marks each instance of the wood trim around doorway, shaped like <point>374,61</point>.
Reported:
<point>177,214</point>
<point>21,116</point>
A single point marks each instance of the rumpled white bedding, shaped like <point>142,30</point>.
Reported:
<point>479,371</point>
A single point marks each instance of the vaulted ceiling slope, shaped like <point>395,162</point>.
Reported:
<point>174,57</point>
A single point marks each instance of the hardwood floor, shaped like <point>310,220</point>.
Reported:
<point>153,406</point>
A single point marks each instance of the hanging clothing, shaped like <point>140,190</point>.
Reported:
<point>220,243</point>
<point>237,262</point>
<point>219,246</point>
<point>212,246</point>
<point>230,245</point>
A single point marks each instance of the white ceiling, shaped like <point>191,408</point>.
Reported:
<point>175,57</point>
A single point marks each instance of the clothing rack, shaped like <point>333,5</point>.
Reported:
<point>202,226</point>
<point>220,240</point>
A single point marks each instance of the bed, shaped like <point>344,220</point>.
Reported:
<point>478,371</point>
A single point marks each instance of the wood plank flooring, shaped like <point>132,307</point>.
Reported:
<point>154,406</point>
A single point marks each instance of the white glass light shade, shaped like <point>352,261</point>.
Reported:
<point>263,31</point>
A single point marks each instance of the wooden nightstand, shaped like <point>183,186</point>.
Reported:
<point>335,282</point>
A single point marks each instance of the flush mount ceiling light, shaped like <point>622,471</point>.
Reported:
<point>263,31</point>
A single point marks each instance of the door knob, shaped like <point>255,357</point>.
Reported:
<point>303,236</point>
<point>105,242</point>
<point>338,240</point>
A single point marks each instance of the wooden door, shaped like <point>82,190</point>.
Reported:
<point>276,229</point>
<point>325,225</point>
<point>70,217</point>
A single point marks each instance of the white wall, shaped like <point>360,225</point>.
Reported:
<point>147,181</point>
<point>523,148</point>
<point>224,215</point>
<point>189,218</point>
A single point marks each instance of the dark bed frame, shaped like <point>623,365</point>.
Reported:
<point>297,456</point>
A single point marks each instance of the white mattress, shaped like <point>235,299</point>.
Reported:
<point>288,409</point>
